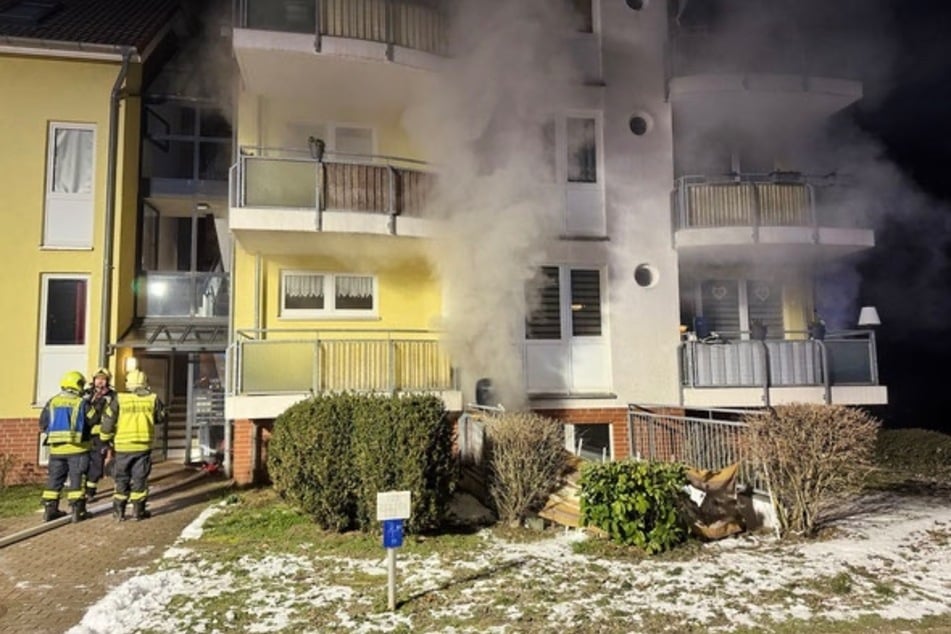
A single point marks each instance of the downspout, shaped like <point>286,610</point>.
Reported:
<point>111,186</point>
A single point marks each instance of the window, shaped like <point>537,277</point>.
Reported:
<point>309,295</point>
<point>63,331</point>
<point>341,139</point>
<point>731,306</point>
<point>591,441</point>
<point>566,349</point>
<point>68,219</point>
<point>582,150</point>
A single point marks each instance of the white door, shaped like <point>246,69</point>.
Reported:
<point>63,340</point>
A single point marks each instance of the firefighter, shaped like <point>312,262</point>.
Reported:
<point>102,407</point>
<point>68,435</point>
<point>132,433</point>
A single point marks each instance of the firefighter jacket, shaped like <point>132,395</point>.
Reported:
<point>134,427</point>
<point>65,423</point>
<point>102,407</point>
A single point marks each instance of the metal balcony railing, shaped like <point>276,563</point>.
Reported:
<point>778,199</point>
<point>291,361</point>
<point>182,294</point>
<point>843,358</point>
<point>269,177</point>
<point>712,443</point>
<point>415,24</point>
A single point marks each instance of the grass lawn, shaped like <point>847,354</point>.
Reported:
<point>19,500</point>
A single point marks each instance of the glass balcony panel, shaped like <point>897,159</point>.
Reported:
<point>293,16</point>
<point>280,183</point>
<point>277,366</point>
<point>170,294</point>
<point>850,361</point>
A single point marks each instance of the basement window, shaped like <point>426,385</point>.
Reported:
<point>28,12</point>
<point>590,441</point>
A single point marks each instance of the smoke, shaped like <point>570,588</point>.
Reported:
<point>495,195</point>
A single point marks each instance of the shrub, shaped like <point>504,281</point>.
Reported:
<point>526,458</point>
<point>636,503</point>
<point>918,453</point>
<point>332,454</point>
<point>310,461</point>
<point>813,456</point>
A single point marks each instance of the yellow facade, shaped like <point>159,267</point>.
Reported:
<point>36,92</point>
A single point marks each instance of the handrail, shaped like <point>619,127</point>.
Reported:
<point>250,333</point>
<point>291,153</point>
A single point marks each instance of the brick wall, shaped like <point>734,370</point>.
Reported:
<point>18,448</point>
<point>616,417</point>
<point>249,450</point>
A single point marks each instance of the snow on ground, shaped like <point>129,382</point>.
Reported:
<point>895,562</point>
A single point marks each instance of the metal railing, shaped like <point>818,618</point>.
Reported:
<point>779,199</point>
<point>713,443</point>
<point>841,358</point>
<point>273,177</point>
<point>278,361</point>
<point>417,24</point>
<point>181,294</point>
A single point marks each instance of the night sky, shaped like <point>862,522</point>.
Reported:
<point>908,275</point>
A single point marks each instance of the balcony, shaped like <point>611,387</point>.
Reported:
<point>272,369</point>
<point>746,216</point>
<point>284,191</point>
<point>738,372</point>
<point>183,295</point>
<point>300,46</point>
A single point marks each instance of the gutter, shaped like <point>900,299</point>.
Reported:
<point>72,50</point>
<point>111,186</point>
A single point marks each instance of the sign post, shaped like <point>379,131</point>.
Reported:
<point>392,507</point>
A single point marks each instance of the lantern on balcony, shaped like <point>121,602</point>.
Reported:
<point>868,317</point>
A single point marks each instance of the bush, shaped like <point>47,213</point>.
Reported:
<point>916,453</point>
<point>636,503</point>
<point>813,456</point>
<point>310,460</point>
<point>526,459</point>
<point>331,455</point>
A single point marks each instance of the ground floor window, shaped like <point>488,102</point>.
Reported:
<point>591,441</point>
<point>306,294</point>
<point>63,340</point>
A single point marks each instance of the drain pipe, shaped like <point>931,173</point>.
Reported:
<point>107,264</point>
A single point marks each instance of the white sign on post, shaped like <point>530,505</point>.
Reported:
<point>392,505</point>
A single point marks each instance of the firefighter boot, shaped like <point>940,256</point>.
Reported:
<point>51,510</point>
<point>90,493</point>
<point>78,509</point>
<point>118,510</point>
<point>139,512</point>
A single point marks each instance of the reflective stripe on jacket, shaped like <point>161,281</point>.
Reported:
<point>64,421</point>
<point>135,426</point>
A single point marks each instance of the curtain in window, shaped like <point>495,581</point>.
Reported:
<point>72,161</point>
<point>304,286</point>
<point>350,286</point>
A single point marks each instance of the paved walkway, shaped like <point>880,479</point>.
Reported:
<point>46,588</point>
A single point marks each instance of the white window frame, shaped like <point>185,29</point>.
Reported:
<point>573,364</point>
<point>302,130</point>
<point>330,310</point>
<point>54,360</point>
<point>584,211</point>
<point>68,218</point>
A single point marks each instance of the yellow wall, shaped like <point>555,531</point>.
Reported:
<point>35,92</point>
<point>410,296</point>
<point>264,121</point>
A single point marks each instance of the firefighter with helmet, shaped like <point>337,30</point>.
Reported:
<point>102,407</point>
<point>132,433</point>
<point>69,437</point>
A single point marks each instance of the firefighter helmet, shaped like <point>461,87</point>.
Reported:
<point>73,381</point>
<point>136,379</point>
<point>103,372</point>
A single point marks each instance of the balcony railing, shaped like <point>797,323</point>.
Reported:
<point>699,50</point>
<point>182,294</point>
<point>781,199</point>
<point>844,358</point>
<point>266,177</point>
<point>415,24</point>
<point>316,361</point>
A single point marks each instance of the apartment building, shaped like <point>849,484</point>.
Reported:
<point>593,204</point>
<point>69,121</point>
